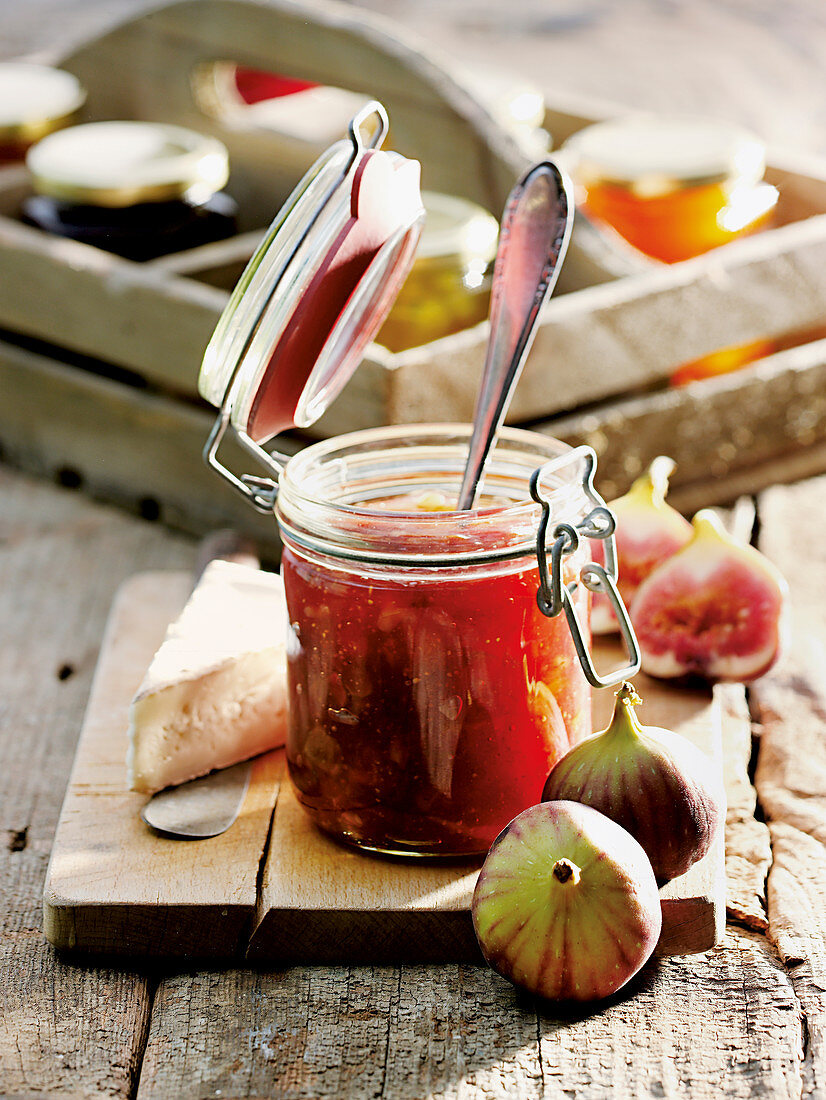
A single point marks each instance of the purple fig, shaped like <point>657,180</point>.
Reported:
<point>715,609</point>
<point>655,783</point>
<point>566,904</point>
<point>648,531</point>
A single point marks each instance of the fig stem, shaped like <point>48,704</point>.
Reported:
<point>653,484</point>
<point>624,720</point>
<point>565,871</point>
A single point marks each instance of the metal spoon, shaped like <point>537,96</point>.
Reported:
<point>536,228</point>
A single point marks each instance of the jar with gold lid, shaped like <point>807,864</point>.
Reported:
<point>448,288</point>
<point>35,100</point>
<point>672,186</point>
<point>138,189</point>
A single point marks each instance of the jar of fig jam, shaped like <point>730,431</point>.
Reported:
<point>429,694</point>
<point>438,659</point>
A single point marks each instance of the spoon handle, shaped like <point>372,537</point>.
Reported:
<point>536,227</point>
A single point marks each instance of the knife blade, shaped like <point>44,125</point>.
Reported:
<point>207,806</point>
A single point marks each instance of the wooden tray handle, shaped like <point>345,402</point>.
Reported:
<point>144,69</point>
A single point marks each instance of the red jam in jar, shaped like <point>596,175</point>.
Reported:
<point>429,694</point>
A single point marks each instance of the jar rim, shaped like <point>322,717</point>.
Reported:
<point>324,494</point>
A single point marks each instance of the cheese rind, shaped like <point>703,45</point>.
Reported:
<point>216,690</point>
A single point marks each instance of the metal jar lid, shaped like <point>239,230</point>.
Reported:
<point>35,100</point>
<point>313,295</point>
<point>119,164</point>
<point>653,155</point>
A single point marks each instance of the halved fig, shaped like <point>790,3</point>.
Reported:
<point>566,904</point>
<point>648,531</point>
<point>716,609</point>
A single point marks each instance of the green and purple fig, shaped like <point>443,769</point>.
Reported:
<point>715,609</point>
<point>566,905</point>
<point>648,532</point>
<point>655,783</point>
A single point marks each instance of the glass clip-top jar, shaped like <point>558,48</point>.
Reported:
<point>433,677</point>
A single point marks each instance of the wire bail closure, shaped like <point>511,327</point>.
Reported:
<point>553,596</point>
<point>366,131</point>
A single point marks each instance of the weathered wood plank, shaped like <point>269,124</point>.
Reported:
<point>790,704</point>
<point>143,449</point>
<point>123,444</point>
<point>693,1027</point>
<point>748,849</point>
<point>726,434</point>
<point>63,1030</point>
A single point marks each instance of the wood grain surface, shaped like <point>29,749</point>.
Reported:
<point>744,1020</point>
<point>790,705</point>
<point>65,1030</point>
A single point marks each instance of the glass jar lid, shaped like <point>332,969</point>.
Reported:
<point>653,155</point>
<point>318,287</point>
<point>119,164</point>
<point>35,100</point>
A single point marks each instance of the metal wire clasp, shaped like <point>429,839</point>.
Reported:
<point>554,596</point>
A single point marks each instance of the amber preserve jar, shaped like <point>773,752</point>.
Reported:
<point>429,694</point>
<point>674,186</point>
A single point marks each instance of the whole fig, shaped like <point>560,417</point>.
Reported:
<point>566,904</point>
<point>715,609</point>
<point>653,782</point>
<point>648,531</point>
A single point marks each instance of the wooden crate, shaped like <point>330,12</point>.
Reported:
<point>101,355</point>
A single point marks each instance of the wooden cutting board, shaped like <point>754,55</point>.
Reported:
<point>273,888</point>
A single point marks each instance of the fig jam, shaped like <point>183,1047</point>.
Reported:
<point>426,710</point>
<point>429,695</point>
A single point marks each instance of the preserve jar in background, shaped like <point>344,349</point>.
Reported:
<point>138,189</point>
<point>35,100</point>
<point>672,186</point>
<point>448,288</point>
<point>429,694</point>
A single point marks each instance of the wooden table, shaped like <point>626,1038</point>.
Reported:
<point>748,1018</point>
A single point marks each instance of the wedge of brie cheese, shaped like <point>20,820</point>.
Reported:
<point>216,691</point>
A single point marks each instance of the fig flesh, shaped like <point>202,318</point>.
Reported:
<point>566,905</point>
<point>715,609</point>
<point>648,531</point>
<point>655,783</point>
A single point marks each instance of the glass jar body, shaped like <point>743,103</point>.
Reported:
<point>141,232</point>
<point>429,694</point>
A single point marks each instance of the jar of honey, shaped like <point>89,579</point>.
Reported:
<point>448,288</point>
<point>35,100</point>
<point>672,186</point>
<point>438,659</point>
<point>138,189</point>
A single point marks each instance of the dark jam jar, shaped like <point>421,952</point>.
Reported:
<point>429,695</point>
<point>141,190</point>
